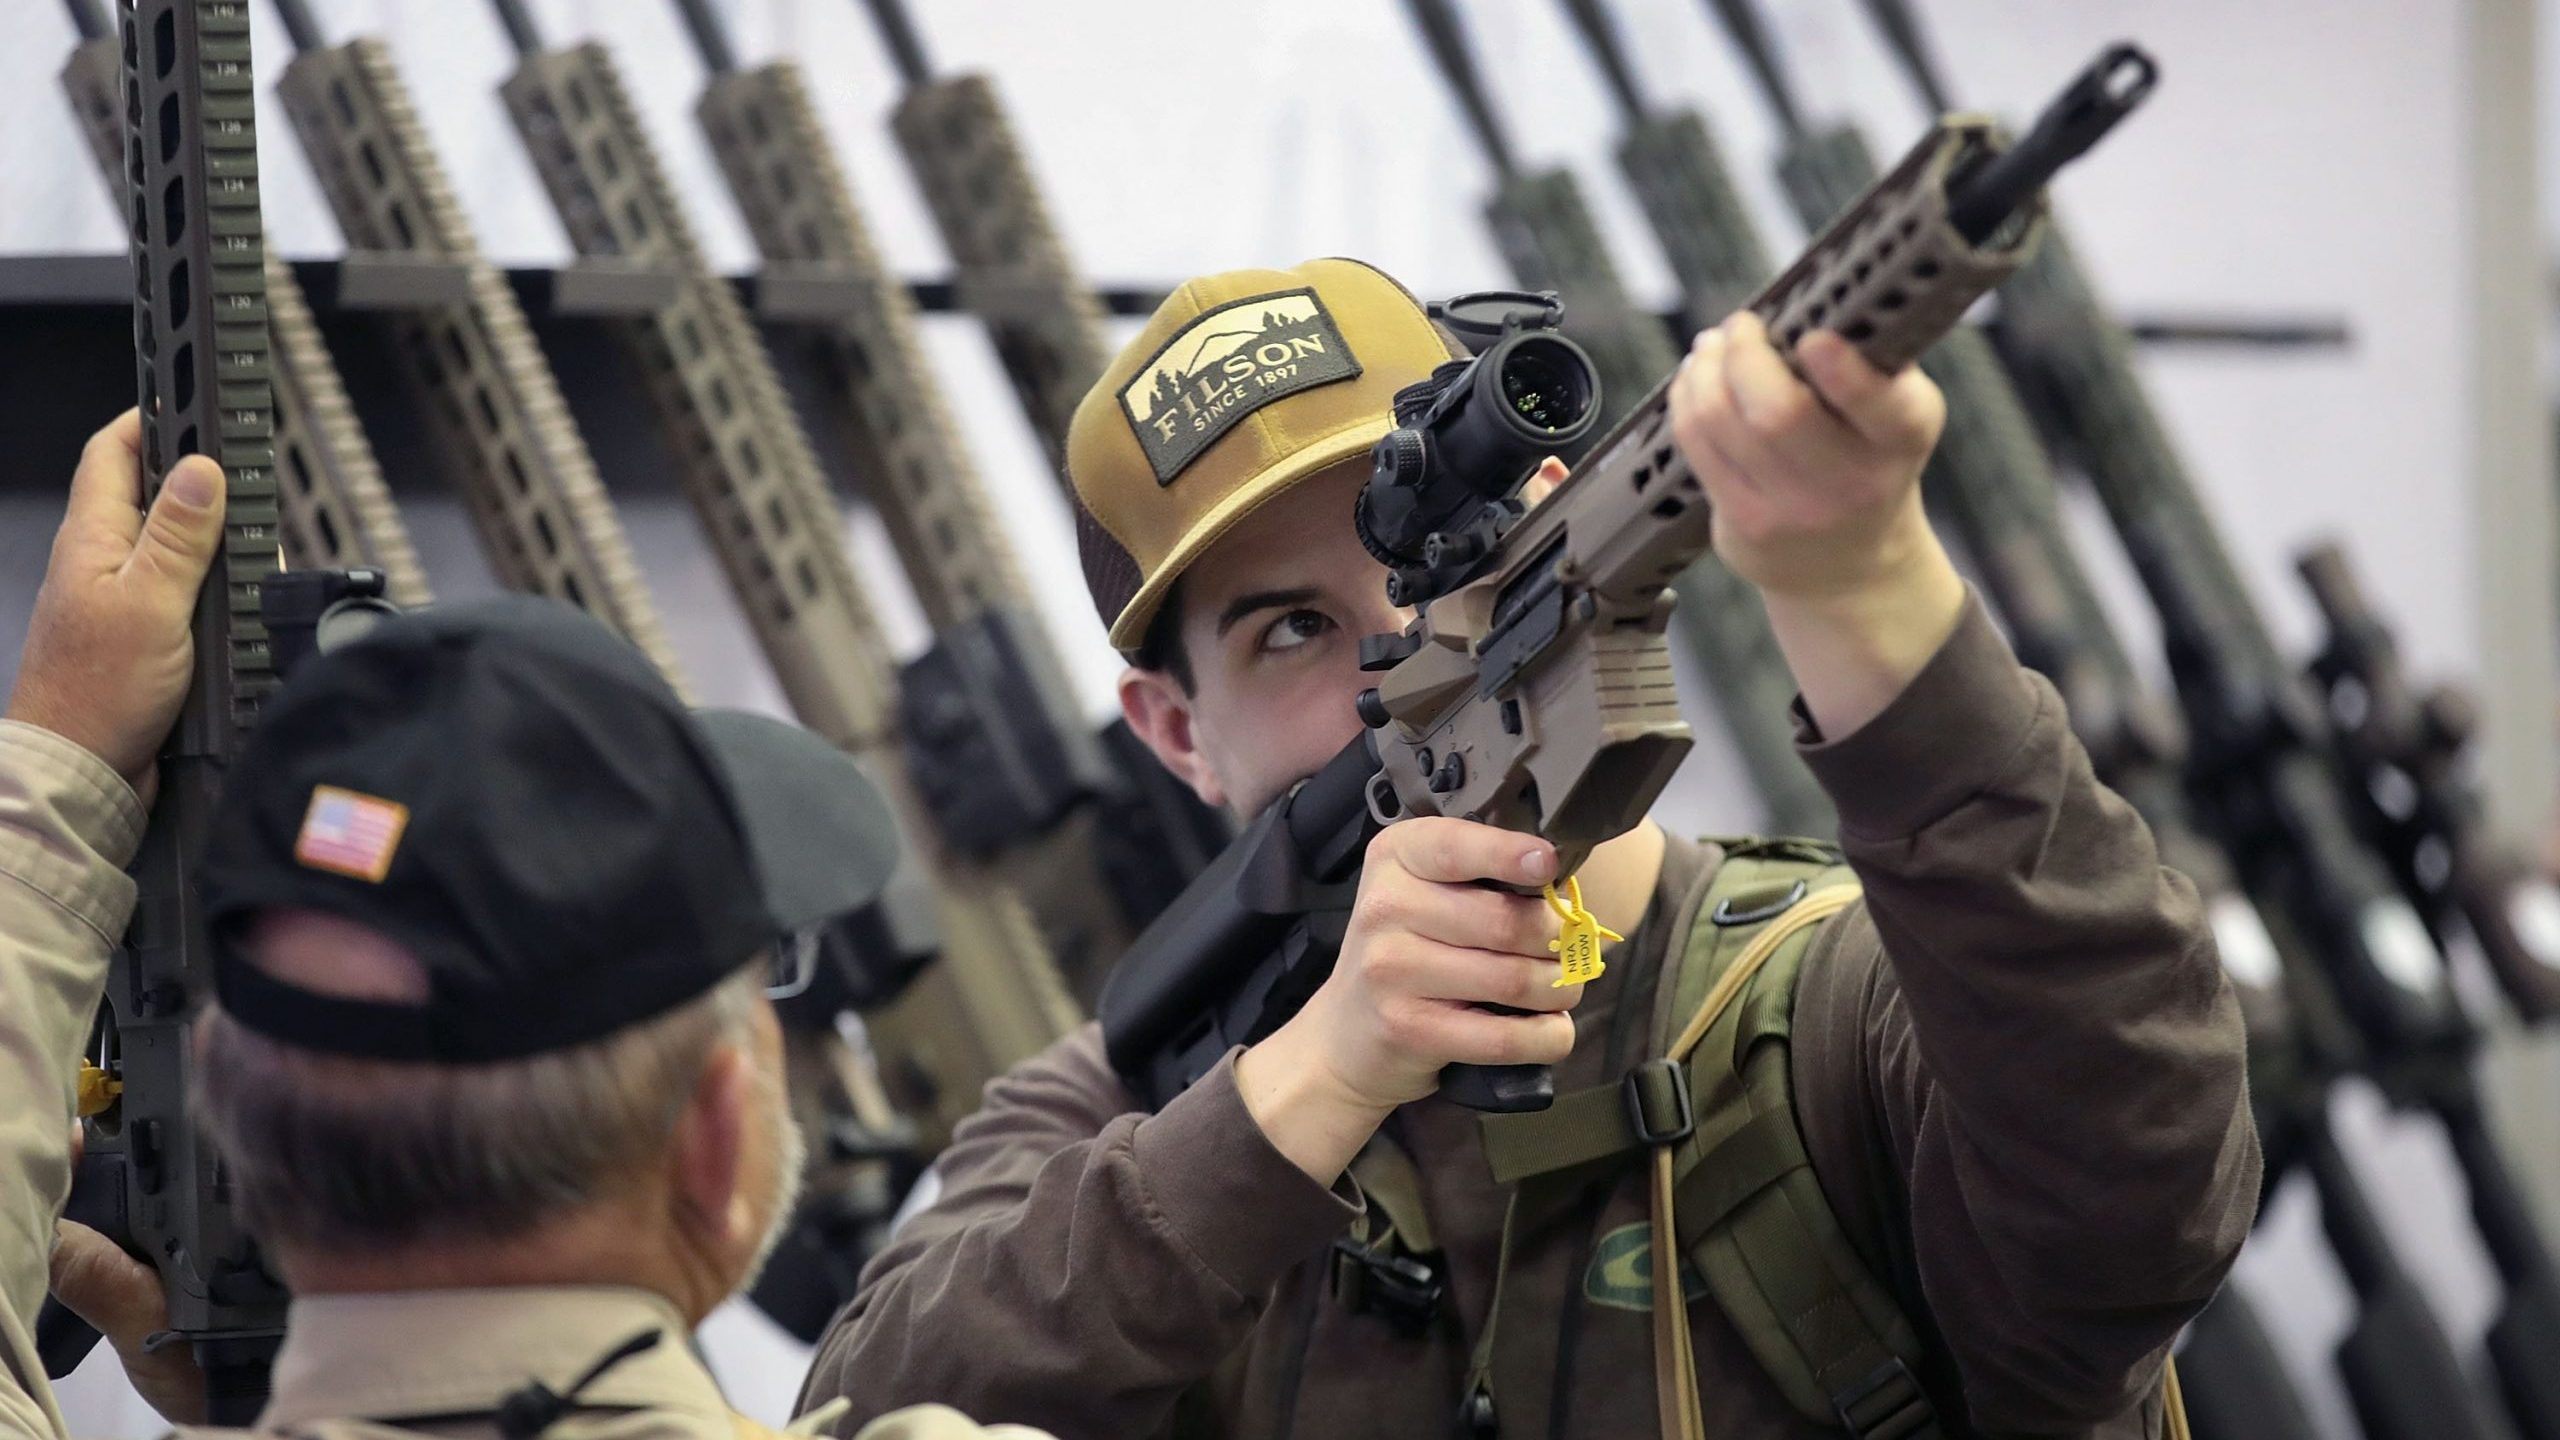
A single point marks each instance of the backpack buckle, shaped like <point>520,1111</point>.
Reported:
<point>1726,915</point>
<point>1887,1405</point>
<point>1400,1289</point>
<point>1658,1103</point>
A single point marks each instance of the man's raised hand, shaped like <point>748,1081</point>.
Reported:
<point>1816,487</point>
<point>109,649</point>
<point>1815,481</point>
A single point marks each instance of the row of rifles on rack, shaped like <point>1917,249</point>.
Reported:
<point>2323,813</point>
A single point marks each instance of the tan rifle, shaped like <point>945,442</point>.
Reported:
<point>994,740</point>
<point>1015,273</point>
<point>993,997</point>
<point>501,428</point>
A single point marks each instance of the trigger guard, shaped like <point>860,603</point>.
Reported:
<point>1385,806</point>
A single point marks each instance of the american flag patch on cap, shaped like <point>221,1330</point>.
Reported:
<point>350,833</point>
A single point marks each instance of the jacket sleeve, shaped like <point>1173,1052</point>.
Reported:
<point>68,824</point>
<point>2024,1043</point>
<point>1084,1262</point>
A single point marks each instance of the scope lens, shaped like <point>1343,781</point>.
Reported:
<point>1547,386</point>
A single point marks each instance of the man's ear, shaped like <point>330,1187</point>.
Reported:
<point>710,1149</point>
<point>1160,714</point>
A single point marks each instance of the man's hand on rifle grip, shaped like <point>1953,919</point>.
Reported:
<point>1426,946</point>
<point>1815,481</point>
<point>122,1299</point>
<point>109,649</point>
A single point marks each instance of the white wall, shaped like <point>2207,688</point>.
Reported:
<point>2300,158</point>
<point>2284,168</point>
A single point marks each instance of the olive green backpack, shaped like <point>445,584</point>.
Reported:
<point>1733,1191</point>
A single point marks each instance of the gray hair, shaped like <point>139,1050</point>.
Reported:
<point>347,1154</point>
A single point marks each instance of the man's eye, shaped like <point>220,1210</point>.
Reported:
<point>1295,629</point>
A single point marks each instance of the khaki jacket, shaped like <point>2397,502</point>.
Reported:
<point>2017,1071</point>
<point>352,1365</point>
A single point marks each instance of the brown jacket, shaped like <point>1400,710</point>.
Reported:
<point>2018,1072</point>
<point>352,1365</point>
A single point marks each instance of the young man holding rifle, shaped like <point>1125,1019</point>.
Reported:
<point>2008,1154</point>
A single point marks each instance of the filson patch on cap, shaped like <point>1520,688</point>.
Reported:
<point>350,833</point>
<point>1226,364</point>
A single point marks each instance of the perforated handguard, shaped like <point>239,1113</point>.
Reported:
<point>907,453</point>
<point>334,510</point>
<point>1891,274</point>
<point>500,425</point>
<point>1014,269</point>
<point>147,1176</point>
<point>764,507</point>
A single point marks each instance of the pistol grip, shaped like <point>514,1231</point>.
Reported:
<point>97,1197</point>
<point>1502,1089</point>
<point>63,1339</point>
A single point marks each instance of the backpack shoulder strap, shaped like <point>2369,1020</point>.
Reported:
<point>1757,881</point>
<point>1732,1188</point>
<point>1731,1185</point>
<point>1737,1194</point>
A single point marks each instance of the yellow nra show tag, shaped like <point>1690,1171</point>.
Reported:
<point>1577,950</point>
<point>98,1090</point>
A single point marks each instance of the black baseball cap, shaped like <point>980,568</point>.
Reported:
<point>511,791</point>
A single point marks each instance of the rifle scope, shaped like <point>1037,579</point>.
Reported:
<point>1466,438</point>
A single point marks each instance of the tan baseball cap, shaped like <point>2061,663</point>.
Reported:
<point>1242,385</point>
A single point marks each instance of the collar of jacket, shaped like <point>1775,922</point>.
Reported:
<point>418,1353</point>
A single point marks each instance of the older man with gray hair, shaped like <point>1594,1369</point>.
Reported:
<point>491,1061</point>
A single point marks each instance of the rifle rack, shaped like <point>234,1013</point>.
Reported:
<point>66,346</point>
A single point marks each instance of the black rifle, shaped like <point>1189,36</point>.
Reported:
<point>1547,236</point>
<point>2404,750</point>
<point>992,997</point>
<point>333,508</point>
<point>2233,1382</point>
<point>2264,772</point>
<point>500,428</point>
<point>1484,705</point>
<point>993,736</point>
<point>146,1178</point>
<point>1014,271</point>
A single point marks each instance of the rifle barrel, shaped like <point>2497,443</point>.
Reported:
<point>298,25</point>
<point>1446,38</point>
<point>521,30</point>
<point>710,37</point>
<point>1902,34</point>
<point>906,47</point>
<point>2093,104</point>
<point>1742,24</point>
<point>1600,35</point>
<point>90,19</point>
